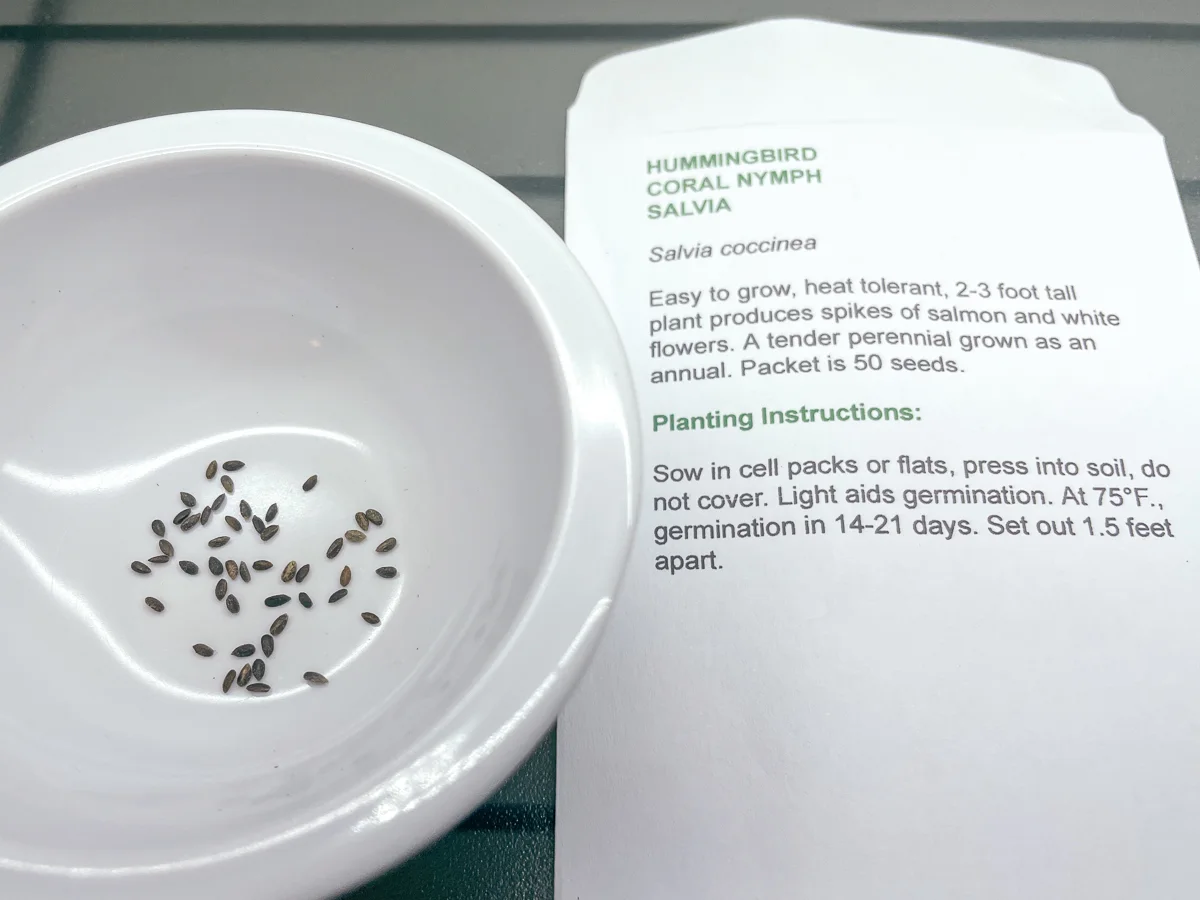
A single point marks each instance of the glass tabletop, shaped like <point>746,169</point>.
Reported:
<point>490,82</point>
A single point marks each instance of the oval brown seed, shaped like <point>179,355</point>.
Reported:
<point>190,522</point>
<point>259,687</point>
<point>305,600</point>
<point>214,565</point>
<point>338,595</point>
<point>272,512</point>
<point>278,625</point>
<point>231,675</point>
<point>315,678</point>
<point>243,650</point>
<point>167,548</point>
<point>222,587</point>
<point>243,678</point>
<point>386,571</point>
<point>370,618</point>
<point>233,523</point>
<point>361,520</point>
<point>232,604</point>
<point>244,571</point>
<point>301,573</point>
<point>258,669</point>
<point>231,569</point>
<point>140,567</point>
<point>188,499</point>
<point>386,546</point>
<point>202,649</point>
<point>261,565</point>
<point>355,536</point>
<point>158,527</point>
<point>218,503</point>
<point>309,483</point>
<point>211,472</point>
<point>268,645</point>
<point>245,510</point>
<point>345,576</point>
<point>232,465</point>
<point>159,560</point>
<point>288,573</point>
<point>269,532</point>
<point>219,541</point>
<point>205,514</point>
<point>190,567</point>
<point>155,604</point>
<point>277,600</point>
<point>258,524</point>
<point>180,516</point>
<point>334,549</point>
<point>374,517</point>
<point>227,483</point>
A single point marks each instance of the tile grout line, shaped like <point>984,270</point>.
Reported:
<point>25,79</point>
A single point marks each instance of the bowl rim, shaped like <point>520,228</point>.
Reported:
<point>506,712</point>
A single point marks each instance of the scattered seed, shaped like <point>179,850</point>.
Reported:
<point>301,573</point>
<point>202,649</point>
<point>355,536</point>
<point>338,595</point>
<point>245,510</point>
<point>288,573</point>
<point>233,523</point>
<point>155,604</point>
<point>180,516</point>
<point>243,677</point>
<point>244,571</point>
<point>345,576</point>
<point>140,567</point>
<point>233,465</point>
<point>261,565</point>
<point>259,687</point>
<point>205,515</point>
<point>227,483</point>
<point>278,625</point>
<point>268,645</point>
<point>258,524</point>
<point>218,503</point>
<point>362,521</point>
<point>158,527</point>
<point>374,517</point>
<point>310,483</point>
<point>370,618</point>
<point>190,567</point>
<point>219,541</point>
<point>334,549</point>
<point>232,604</point>
<point>277,600</point>
<point>272,512</point>
<point>159,560</point>
<point>258,669</point>
<point>386,546</point>
<point>188,500</point>
<point>231,675</point>
<point>386,571</point>
<point>231,569</point>
<point>190,522</point>
<point>214,565</point>
<point>315,678</point>
<point>222,587</point>
<point>269,532</point>
<point>305,600</point>
<point>243,650</point>
<point>211,472</point>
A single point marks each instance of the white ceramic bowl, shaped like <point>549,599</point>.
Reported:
<point>308,295</point>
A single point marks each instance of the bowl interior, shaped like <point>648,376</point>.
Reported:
<point>307,318</point>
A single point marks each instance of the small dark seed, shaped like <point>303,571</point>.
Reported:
<point>167,548</point>
<point>231,675</point>
<point>338,595</point>
<point>219,541</point>
<point>155,604</point>
<point>205,515</point>
<point>362,521</point>
<point>190,522</point>
<point>288,573</point>
<point>315,678</point>
<point>188,499</point>
<point>355,536</point>
<point>345,576</point>
<point>278,625</point>
<point>243,650</point>
<point>386,571</point>
<point>374,517</point>
<point>140,567</point>
<point>232,604</point>
<point>231,569</point>
<point>370,618</point>
<point>244,571</point>
<point>259,687</point>
<point>222,587</point>
<point>227,483</point>
<point>180,516</point>
<point>305,600</point>
<point>245,510</point>
<point>269,532</point>
<point>214,565</point>
<point>233,523</point>
<point>211,472</point>
<point>190,567</point>
<point>202,649</point>
<point>243,677</point>
<point>218,503</point>
<point>277,600</point>
<point>334,549</point>
<point>159,560</point>
<point>158,527</point>
<point>302,573</point>
<point>258,669</point>
<point>258,524</point>
<point>261,565</point>
<point>268,645</point>
<point>233,465</point>
<point>310,483</point>
<point>389,544</point>
<point>272,512</point>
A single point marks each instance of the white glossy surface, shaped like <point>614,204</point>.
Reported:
<point>308,295</point>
